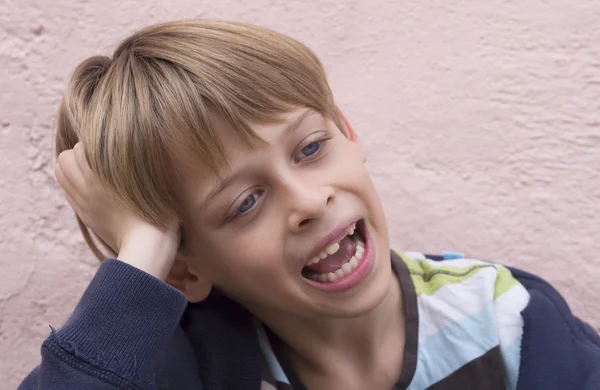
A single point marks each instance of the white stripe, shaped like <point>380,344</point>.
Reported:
<point>507,308</point>
<point>458,263</point>
<point>414,255</point>
<point>455,301</point>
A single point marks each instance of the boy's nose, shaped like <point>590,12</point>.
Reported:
<point>308,204</point>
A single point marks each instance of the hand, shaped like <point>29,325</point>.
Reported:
<point>136,241</point>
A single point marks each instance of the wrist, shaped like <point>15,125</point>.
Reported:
<point>151,250</point>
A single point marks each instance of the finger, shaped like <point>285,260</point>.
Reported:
<point>67,187</point>
<point>61,179</point>
<point>70,169</point>
<point>82,162</point>
<point>73,204</point>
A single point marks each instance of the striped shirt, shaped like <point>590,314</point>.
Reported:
<point>463,327</point>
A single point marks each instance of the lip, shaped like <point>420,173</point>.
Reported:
<point>335,235</point>
<point>359,273</point>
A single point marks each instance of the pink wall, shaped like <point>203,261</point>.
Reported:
<point>482,124</point>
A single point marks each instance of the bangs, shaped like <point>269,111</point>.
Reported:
<point>154,100</point>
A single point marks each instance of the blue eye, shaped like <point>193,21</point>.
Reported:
<point>247,204</point>
<point>310,149</point>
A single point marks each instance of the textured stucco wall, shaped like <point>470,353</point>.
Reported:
<point>481,119</point>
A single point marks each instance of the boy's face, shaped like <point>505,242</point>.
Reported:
<point>279,207</point>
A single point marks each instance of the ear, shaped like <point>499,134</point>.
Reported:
<point>349,132</point>
<point>347,128</point>
<point>188,280</point>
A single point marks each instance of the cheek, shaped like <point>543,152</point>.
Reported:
<point>239,259</point>
<point>351,162</point>
<point>251,276</point>
<point>352,151</point>
<point>359,180</point>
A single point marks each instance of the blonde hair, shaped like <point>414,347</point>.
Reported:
<point>135,111</point>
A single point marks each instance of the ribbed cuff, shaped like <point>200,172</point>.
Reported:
<point>123,320</point>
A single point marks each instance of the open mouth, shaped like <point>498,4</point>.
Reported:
<point>339,260</point>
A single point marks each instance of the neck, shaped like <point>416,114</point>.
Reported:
<point>335,346</point>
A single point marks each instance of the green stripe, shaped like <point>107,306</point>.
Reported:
<point>428,278</point>
<point>504,281</point>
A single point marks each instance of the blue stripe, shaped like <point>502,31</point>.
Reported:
<point>512,361</point>
<point>454,346</point>
<point>448,255</point>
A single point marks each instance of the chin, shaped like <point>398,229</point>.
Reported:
<point>368,297</point>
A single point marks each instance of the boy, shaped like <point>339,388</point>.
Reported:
<point>249,249</point>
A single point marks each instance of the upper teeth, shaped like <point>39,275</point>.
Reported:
<point>333,248</point>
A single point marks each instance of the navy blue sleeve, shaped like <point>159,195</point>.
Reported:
<point>558,350</point>
<point>111,341</point>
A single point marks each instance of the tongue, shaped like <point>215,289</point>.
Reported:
<point>332,262</point>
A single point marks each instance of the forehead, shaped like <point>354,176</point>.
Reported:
<point>191,168</point>
<point>268,133</point>
<point>237,145</point>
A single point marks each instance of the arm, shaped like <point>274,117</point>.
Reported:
<point>117,330</point>
<point>127,315</point>
<point>559,351</point>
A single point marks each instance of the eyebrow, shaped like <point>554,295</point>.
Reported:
<point>217,188</point>
<point>298,121</point>
<point>221,184</point>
